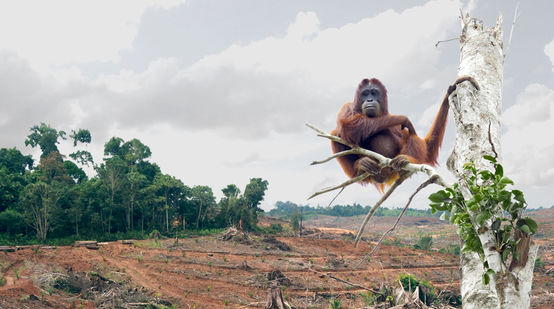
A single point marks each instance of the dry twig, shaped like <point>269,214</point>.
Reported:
<point>344,281</point>
<point>429,181</point>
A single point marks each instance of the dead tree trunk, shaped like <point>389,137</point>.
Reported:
<point>275,298</point>
<point>478,131</point>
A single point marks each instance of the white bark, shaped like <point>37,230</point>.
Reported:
<point>478,132</point>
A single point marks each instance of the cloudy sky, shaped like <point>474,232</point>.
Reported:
<point>220,90</point>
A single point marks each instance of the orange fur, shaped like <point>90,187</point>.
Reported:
<point>386,134</point>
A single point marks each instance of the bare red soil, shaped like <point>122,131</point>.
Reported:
<point>208,272</point>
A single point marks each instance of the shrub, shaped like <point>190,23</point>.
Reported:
<point>539,264</point>
<point>424,243</point>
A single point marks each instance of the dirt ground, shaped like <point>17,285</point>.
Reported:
<point>208,272</point>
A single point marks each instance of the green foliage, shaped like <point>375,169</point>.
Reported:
<point>335,303</point>
<point>242,210</point>
<point>82,157</point>
<point>11,222</point>
<point>275,228</point>
<point>451,249</point>
<point>539,264</point>
<point>45,137</point>
<point>272,229</point>
<point>75,172</point>
<point>424,243</point>
<point>14,162</point>
<point>56,203</point>
<point>154,235</point>
<point>491,207</point>
<point>368,298</point>
<point>81,136</point>
<point>294,222</point>
<point>284,210</point>
<point>427,293</point>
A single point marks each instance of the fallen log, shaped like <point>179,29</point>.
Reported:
<point>127,241</point>
<point>26,247</point>
<point>7,248</point>
<point>82,243</point>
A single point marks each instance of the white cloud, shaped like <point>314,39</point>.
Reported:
<point>278,83</point>
<point>532,106</point>
<point>527,144</point>
<point>54,33</point>
<point>245,91</point>
<point>549,51</point>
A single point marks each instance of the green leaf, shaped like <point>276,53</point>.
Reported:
<point>504,196</point>
<point>505,254</point>
<point>437,206</point>
<point>499,171</point>
<point>486,279</point>
<point>472,205</point>
<point>506,181</point>
<point>529,223</point>
<point>485,175</point>
<point>481,217</point>
<point>518,196</point>
<point>496,225</point>
<point>444,216</point>
<point>489,158</point>
<point>439,196</point>
<point>525,229</point>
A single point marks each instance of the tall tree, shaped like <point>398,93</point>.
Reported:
<point>227,206</point>
<point>136,182</point>
<point>170,190</point>
<point>13,168</point>
<point>294,222</point>
<point>41,199</point>
<point>204,200</point>
<point>112,174</point>
<point>82,157</point>
<point>478,132</point>
<point>254,193</point>
<point>45,137</point>
<point>14,162</point>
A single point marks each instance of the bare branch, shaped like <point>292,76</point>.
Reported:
<point>336,155</point>
<point>342,185</point>
<point>516,16</point>
<point>444,41</point>
<point>334,198</point>
<point>344,281</point>
<point>429,181</point>
<point>395,185</point>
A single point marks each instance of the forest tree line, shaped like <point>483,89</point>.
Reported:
<point>286,210</point>
<point>129,194</point>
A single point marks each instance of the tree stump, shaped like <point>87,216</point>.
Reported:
<point>275,298</point>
